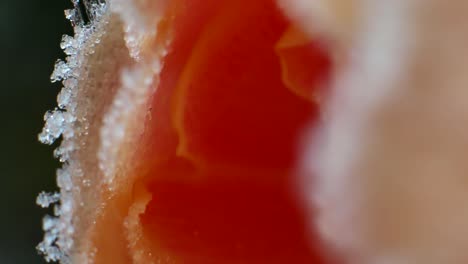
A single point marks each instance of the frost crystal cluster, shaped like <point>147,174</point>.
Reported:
<point>106,79</point>
<point>63,122</point>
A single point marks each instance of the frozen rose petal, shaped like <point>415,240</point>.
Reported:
<point>182,137</point>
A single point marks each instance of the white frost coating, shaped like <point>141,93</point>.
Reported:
<point>58,237</point>
<point>130,97</point>
<point>138,27</point>
<point>137,83</point>
<point>93,139</point>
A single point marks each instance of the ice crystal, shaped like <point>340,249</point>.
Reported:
<point>62,71</point>
<point>108,77</point>
<point>44,199</point>
<point>68,45</point>
<point>61,122</point>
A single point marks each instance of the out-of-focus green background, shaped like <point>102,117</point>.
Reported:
<point>30,33</point>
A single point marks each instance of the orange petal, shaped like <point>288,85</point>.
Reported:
<point>231,106</point>
<point>222,144</point>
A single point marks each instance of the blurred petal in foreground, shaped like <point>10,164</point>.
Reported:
<point>391,154</point>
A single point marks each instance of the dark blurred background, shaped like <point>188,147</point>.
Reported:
<point>30,33</point>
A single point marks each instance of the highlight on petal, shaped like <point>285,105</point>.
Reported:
<point>304,65</point>
<point>331,19</point>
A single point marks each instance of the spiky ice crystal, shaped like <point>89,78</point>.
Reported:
<point>86,18</point>
<point>109,75</point>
